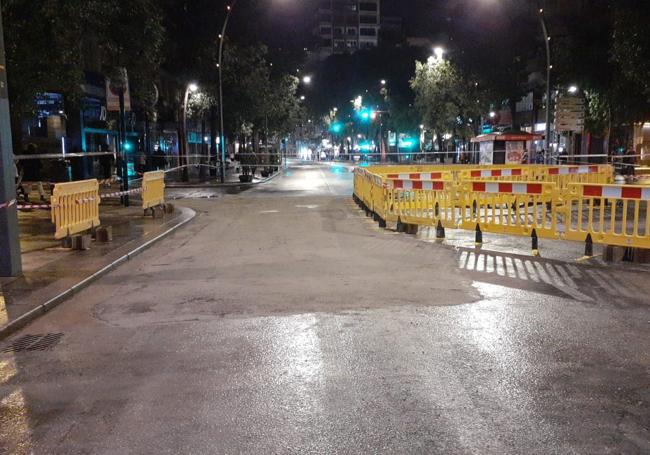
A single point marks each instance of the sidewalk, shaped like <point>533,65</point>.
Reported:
<point>52,273</point>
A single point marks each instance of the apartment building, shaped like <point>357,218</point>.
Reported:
<point>348,25</point>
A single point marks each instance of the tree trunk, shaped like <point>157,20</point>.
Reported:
<point>513,113</point>
<point>202,150</point>
<point>214,152</point>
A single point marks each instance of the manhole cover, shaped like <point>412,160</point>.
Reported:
<point>34,343</point>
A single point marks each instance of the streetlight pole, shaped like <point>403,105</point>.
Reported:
<point>10,263</point>
<point>222,141</point>
<point>549,67</point>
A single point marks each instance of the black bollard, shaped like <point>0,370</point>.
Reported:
<point>535,242</point>
<point>479,236</point>
<point>440,231</point>
<point>589,246</point>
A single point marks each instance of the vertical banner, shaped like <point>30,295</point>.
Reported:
<point>113,94</point>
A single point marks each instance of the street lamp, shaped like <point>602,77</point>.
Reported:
<point>573,89</point>
<point>191,88</point>
<point>306,80</point>
<point>383,82</point>
<point>222,142</point>
<point>439,52</point>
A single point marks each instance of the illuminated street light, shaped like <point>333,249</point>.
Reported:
<point>306,80</point>
<point>573,89</point>
<point>439,52</point>
<point>383,82</point>
<point>302,98</point>
<point>493,114</point>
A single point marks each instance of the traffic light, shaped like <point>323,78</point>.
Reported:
<point>336,127</point>
<point>366,114</point>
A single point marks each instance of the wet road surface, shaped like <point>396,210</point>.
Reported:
<point>283,321</point>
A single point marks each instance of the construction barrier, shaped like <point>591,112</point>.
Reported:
<point>515,208</point>
<point>556,209</point>
<point>75,207</point>
<point>153,189</point>
<point>609,214</point>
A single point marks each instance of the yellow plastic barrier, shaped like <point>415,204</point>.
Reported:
<point>592,212</point>
<point>563,176</point>
<point>425,203</point>
<point>75,207</point>
<point>514,208</point>
<point>153,189</point>
<point>611,214</point>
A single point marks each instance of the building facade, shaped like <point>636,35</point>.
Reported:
<point>348,25</point>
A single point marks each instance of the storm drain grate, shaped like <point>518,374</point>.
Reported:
<point>34,343</point>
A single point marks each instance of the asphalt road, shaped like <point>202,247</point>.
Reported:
<point>283,321</point>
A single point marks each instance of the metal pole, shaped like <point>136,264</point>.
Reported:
<point>549,67</point>
<point>10,263</point>
<point>222,142</point>
<point>124,168</point>
<point>183,140</point>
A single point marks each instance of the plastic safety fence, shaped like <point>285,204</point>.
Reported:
<point>563,176</point>
<point>153,189</point>
<point>595,213</point>
<point>610,214</point>
<point>75,207</point>
<point>515,208</point>
<point>422,202</point>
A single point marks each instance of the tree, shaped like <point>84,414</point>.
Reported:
<point>50,43</point>
<point>444,98</point>
<point>631,42</point>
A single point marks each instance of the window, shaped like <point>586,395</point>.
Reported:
<point>352,32</point>
<point>367,6</point>
<point>338,31</point>
<point>326,30</point>
<point>368,19</point>
<point>352,45</point>
<point>368,32</point>
<point>338,44</point>
<point>325,42</point>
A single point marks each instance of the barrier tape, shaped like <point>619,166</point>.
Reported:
<point>35,206</point>
<point>5,205</point>
<point>120,193</point>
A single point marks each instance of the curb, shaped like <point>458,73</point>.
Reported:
<point>21,321</point>
<point>223,185</point>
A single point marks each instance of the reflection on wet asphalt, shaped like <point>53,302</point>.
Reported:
<point>283,321</point>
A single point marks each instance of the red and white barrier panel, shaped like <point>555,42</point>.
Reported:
<point>486,173</point>
<point>6,205</point>
<point>617,192</point>
<point>416,176</point>
<point>567,170</point>
<point>507,188</point>
<point>416,185</point>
